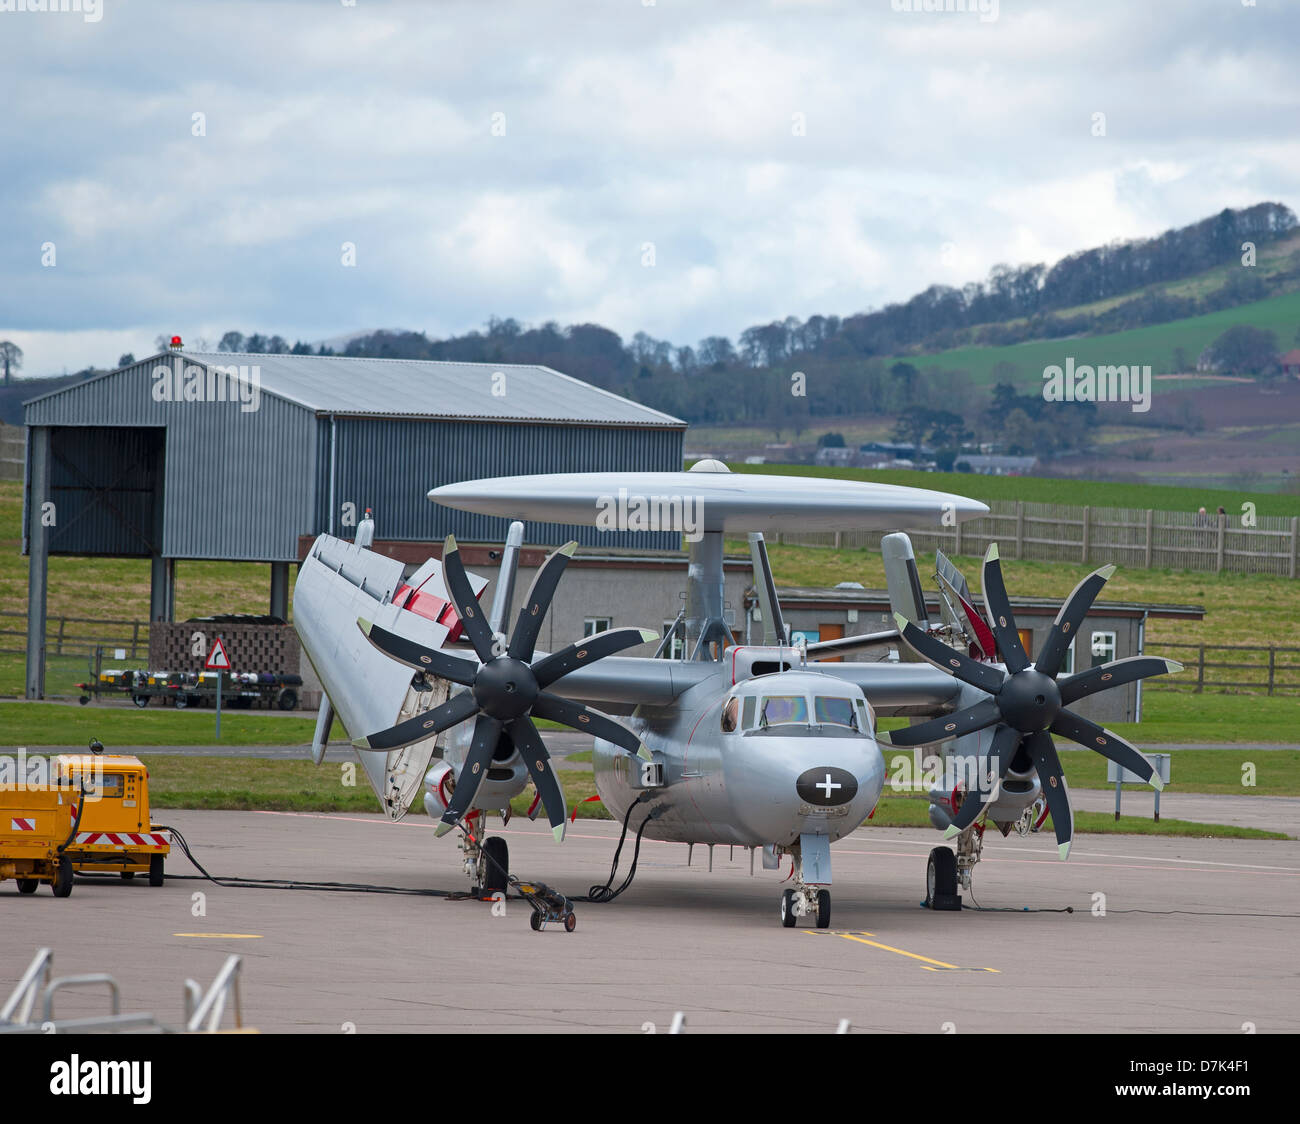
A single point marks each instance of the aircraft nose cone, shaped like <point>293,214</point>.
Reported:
<point>826,786</point>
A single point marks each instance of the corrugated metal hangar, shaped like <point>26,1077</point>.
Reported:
<point>192,455</point>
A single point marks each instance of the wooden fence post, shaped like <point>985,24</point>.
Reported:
<point>1020,530</point>
<point>1200,670</point>
<point>1295,542</point>
<point>1150,521</point>
<point>956,545</point>
<point>1218,550</point>
<point>1272,656</point>
<point>1087,532</point>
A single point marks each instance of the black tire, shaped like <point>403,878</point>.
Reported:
<point>63,880</point>
<point>570,922</point>
<point>536,921</point>
<point>941,879</point>
<point>788,918</point>
<point>84,699</point>
<point>823,909</point>
<point>181,702</point>
<point>155,870</point>
<point>287,699</point>
<point>127,875</point>
<point>496,865</point>
<point>27,885</point>
<point>140,700</point>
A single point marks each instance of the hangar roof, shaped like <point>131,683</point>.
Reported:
<point>330,384</point>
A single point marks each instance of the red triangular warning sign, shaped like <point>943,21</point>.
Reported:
<point>217,659</point>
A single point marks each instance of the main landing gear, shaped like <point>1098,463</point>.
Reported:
<point>487,861</point>
<point>941,880</point>
<point>804,900</point>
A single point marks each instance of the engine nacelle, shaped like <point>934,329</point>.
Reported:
<point>964,777</point>
<point>439,784</point>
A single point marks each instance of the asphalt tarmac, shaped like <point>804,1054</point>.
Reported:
<point>1166,935</point>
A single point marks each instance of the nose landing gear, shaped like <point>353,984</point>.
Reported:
<point>805,900</point>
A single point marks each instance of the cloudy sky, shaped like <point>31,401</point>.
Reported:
<point>683,167</point>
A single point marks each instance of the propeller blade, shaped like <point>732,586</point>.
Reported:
<point>1111,746</point>
<point>442,717</point>
<point>468,609</point>
<point>487,732</point>
<point>524,638</point>
<point>584,719</point>
<point>1006,740</point>
<point>441,664</point>
<point>588,650</point>
<point>997,607</point>
<point>1068,620</point>
<point>532,751</point>
<point>1115,674</point>
<point>978,717</point>
<point>1043,750</point>
<point>955,663</point>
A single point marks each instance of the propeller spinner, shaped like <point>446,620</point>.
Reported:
<point>506,687</point>
<point>1027,704</point>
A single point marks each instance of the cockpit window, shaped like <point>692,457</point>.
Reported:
<point>778,709</point>
<point>730,713</point>
<point>747,717</point>
<point>835,710</point>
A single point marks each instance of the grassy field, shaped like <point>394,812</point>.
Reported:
<point>293,786</point>
<point>1152,345</point>
<point>34,724</point>
<point>1033,489</point>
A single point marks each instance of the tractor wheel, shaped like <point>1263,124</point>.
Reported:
<point>63,880</point>
<point>155,870</point>
<point>27,885</point>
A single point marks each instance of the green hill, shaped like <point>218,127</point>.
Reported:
<point>1153,345</point>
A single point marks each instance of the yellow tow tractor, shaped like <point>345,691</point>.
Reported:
<point>115,832</point>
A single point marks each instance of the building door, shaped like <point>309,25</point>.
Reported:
<point>832,632</point>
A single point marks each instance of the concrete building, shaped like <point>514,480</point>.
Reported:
<point>236,457</point>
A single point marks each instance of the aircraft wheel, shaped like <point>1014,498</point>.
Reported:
<point>941,880</point>
<point>496,865</point>
<point>536,921</point>
<point>27,885</point>
<point>787,909</point>
<point>823,909</point>
<point>570,922</point>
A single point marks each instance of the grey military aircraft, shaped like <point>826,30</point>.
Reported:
<point>708,741</point>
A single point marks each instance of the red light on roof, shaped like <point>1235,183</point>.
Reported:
<point>176,341</point>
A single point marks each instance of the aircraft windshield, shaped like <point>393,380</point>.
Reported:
<point>835,710</point>
<point>783,709</point>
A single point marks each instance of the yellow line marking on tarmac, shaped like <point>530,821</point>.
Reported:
<point>224,936</point>
<point>938,965</point>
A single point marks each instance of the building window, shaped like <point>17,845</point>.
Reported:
<point>1103,648</point>
<point>593,625</point>
<point>1067,661</point>
<point>677,648</point>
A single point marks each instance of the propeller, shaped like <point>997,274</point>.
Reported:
<point>1027,704</point>
<point>506,687</point>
